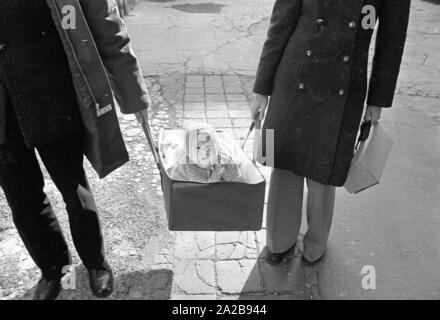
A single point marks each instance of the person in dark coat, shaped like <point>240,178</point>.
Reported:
<point>40,109</point>
<point>314,69</point>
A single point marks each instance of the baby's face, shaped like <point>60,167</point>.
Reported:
<point>202,150</point>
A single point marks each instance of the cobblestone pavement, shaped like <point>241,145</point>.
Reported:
<point>199,59</point>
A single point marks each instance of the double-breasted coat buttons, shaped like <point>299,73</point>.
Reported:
<point>309,53</point>
<point>352,24</point>
<point>346,59</point>
<point>301,86</point>
<point>341,92</point>
<point>320,22</point>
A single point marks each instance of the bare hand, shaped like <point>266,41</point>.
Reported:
<point>373,114</point>
<point>142,116</point>
<point>258,107</point>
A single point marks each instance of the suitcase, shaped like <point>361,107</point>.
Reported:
<point>222,206</point>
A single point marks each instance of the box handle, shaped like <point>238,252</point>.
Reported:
<point>364,132</point>
<point>251,128</point>
<point>151,143</point>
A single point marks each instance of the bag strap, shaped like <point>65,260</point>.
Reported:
<point>151,143</point>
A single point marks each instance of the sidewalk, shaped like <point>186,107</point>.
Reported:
<point>199,60</point>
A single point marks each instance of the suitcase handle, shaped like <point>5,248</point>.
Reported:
<point>151,143</point>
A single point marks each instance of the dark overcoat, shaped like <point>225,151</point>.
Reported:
<point>96,58</point>
<point>314,66</point>
<point>106,73</point>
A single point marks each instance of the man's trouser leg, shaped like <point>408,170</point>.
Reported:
<point>22,182</point>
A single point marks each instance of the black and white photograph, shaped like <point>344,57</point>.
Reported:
<point>237,151</point>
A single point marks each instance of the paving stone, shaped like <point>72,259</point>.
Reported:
<point>155,284</point>
<point>216,106</point>
<point>228,79</point>
<point>261,240</point>
<point>227,237</point>
<point>245,274</point>
<point>195,245</point>
<point>236,246</point>
<point>206,243</point>
<point>197,91</point>
<point>220,123</point>
<point>194,78</point>
<point>232,106</point>
<point>192,122</point>
<point>194,114</point>
<point>194,277</point>
<point>241,251</point>
<point>241,123</point>
<point>239,113</point>
<point>276,297</point>
<point>285,278</point>
<point>214,90</point>
<point>215,97</point>
<point>213,81</point>
<point>224,251</point>
<point>234,90</point>
<point>236,97</point>
<point>194,106</point>
<point>165,266</point>
<point>194,84</point>
<point>191,297</point>
<point>210,114</point>
<point>194,98</point>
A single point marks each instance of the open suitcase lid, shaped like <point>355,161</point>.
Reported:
<point>250,173</point>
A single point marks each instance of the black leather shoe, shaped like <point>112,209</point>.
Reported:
<point>47,289</point>
<point>277,258</point>
<point>101,281</point>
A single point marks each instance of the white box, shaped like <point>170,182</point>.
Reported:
<point>369,161</point>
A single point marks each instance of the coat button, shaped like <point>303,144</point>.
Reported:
<point>341,92</point>
<point>2,46</point>
<point>309,53</point>
<point>352,24</point>
<point>320,22</point>
<point>346,59</point>
<point>301,86</point>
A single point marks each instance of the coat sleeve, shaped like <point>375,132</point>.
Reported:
<point>283,21</point>
<point>390,43</point>
<point>113,43</point>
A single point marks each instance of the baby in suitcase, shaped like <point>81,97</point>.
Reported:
<point>202,156</point>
